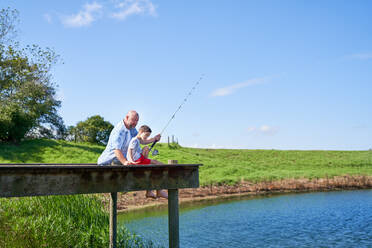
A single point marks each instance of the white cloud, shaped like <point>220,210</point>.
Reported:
<point>268,130</point>
<point>361,56</point>
<point>134,7</point>
<point>232,88</point>
<point>85,17</point>
<point>117,9</point>
<point>214,146</point>
<point>48,18</point>
<point>264,129</point>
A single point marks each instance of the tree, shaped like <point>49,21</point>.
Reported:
<point>8,20</point>
<point>27,94</point>
<point>94,130</point>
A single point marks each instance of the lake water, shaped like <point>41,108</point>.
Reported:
<point>325,219</point>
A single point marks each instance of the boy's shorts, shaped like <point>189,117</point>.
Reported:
<point>143,160</point>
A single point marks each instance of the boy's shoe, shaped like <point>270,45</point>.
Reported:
<point>150,194</point>
<point>162,193</point>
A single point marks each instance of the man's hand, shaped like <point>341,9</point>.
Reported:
<point>127,163</point>
<point>133,163</point>
<point>157,137</point>
<point>120,157</point>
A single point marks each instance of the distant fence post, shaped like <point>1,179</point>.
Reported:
<point>173,215</point>
<point>113,215</point>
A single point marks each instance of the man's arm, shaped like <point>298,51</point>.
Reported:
<point>119,155</point>
<point>148,141</point>
<point>130,155</point>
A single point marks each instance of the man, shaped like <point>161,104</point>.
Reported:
<point>120,136</point>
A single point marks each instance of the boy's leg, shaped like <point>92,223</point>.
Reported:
<point>162,193</point>
<point>145,151</point>
<point>159,193</point>
<point>153,161</point>
<point>150,194</point>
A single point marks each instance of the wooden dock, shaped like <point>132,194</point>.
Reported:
<point>19,180</point>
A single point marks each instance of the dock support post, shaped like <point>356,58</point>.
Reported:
<point>173,215</point>
<point>113,217</point>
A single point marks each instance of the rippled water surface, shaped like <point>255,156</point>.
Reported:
<point>331,219</point>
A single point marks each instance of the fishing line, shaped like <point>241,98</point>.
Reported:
<point>178,109</point>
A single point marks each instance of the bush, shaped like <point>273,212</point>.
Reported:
<point>93,130</point>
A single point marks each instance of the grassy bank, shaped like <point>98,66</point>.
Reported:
<point>221,166</point>
<point>233,166</point>
<point>56,221</point>
<point>80,221</point>
<point>59,221</point>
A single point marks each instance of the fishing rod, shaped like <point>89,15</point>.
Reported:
<point>156,152</point>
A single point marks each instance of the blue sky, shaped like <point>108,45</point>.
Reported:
<point>278,74</point>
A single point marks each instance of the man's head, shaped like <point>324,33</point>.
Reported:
<point>144,132</point>
<point>131,119</point>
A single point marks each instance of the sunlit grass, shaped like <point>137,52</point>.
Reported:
<point>49,151</point>
<point>80,221</point>
<point>227,166</point>
<point>219,165</point>
<point>59,221</point>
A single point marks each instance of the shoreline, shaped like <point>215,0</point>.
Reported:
<point>136,201</point>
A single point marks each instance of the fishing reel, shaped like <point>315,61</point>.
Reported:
<point>155,151</point>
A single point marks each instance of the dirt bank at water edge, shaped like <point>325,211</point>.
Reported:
<point>137,200</point>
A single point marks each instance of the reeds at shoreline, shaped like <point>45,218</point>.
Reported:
<point>59,221</point>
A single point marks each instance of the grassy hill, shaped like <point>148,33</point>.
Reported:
<point>80,221</point>
<point>220,166</point>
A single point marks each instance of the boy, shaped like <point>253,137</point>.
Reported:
<point>136,156</point>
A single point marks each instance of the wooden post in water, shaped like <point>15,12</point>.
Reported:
<point>173,215</point>
<point>113,215</point>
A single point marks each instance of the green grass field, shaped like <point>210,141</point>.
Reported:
<point>60,221</point>
<point>220,166</point>
<point>80,221</point>
<point>57,221</point>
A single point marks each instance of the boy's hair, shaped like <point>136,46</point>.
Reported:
<point>145,129</point>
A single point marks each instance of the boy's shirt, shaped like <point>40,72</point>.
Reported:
<point>135,145</point>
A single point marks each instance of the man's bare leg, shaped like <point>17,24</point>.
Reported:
<point>153,161</point>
